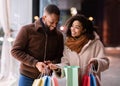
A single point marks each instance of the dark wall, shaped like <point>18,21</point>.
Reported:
<point>107,17</point>
<point>112,22</point>
<point>94,8</point>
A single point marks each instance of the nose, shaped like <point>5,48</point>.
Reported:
<point>72,28</point>
<point>54,25</point>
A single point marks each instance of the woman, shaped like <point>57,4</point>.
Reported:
<point>83,47</point>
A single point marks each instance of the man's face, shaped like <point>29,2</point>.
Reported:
<point>51,20</point>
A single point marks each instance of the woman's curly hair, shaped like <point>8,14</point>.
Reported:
<point>87,25</point>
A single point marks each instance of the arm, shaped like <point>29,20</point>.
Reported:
<point>59,71</point>
<point>100,62</point>
<point>20,46</point>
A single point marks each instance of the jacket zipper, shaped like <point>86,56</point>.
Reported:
<point>45,46</point>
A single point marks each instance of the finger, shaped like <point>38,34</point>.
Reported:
<point>53,67</point>
<point>47,62</point>
<point>44,65</point>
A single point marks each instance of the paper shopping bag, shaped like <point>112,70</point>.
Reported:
<point>92,80</point>
<point>71,73</point>
<point>47,81</point>
<point>54,81</point>
<point>86,80</point>
<point>38,82</point>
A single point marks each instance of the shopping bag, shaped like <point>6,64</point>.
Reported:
<point>38,82</point>
<point>47,81</point>
<point>71,73</point>
<point>86,80</point>
<point>54,81</point>
<point>89,78</point>
<point>92,80</point>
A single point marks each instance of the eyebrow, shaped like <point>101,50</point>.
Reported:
<point>77,25</point>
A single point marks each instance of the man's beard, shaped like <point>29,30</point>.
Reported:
<point>47,28</point>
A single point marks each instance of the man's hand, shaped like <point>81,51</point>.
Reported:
<point>41,66</point>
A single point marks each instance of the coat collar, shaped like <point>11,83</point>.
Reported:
<point>38,25</point>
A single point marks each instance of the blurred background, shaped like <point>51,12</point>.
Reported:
<point>105,14</point>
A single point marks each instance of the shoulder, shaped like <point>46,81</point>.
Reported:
<point>59,33</point>
<point>66,49</point>
<point>97,40</point>
<point>27,28</point>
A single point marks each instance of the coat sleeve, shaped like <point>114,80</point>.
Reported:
<point>18,50</point>
<point>65,58</point>
<point>60,73</point>
<point>101,58</point>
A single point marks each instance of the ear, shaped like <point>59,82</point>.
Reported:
<point>44,16</point>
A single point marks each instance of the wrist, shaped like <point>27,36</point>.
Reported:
<point>57,70</point>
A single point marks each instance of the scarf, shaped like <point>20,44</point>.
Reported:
<point>76,44</point>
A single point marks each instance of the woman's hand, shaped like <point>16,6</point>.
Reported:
<point>93,61</point>
<point>52,66</point>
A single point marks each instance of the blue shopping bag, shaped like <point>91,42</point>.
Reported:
<point>47,81</point>
<point>92,80</point>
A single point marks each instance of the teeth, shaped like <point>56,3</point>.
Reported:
<point>73,32</point>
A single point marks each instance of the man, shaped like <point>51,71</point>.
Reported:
<point>38,43</point>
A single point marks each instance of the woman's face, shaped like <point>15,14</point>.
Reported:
<point>76,29</point>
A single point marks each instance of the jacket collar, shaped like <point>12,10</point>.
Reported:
<point>38,25</point>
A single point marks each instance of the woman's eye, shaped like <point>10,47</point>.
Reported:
<point>76,27</point>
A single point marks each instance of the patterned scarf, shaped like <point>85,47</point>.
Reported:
<point>76,44</point>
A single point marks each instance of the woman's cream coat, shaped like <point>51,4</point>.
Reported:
<point>93,49</point>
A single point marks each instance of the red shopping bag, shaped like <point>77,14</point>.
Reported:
<point>86,80</point>
<point>92,80</point>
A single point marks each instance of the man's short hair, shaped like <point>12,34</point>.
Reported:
<point>52,9</point>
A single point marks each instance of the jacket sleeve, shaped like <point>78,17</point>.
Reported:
<point>19,48</point>
<point>102,60</point>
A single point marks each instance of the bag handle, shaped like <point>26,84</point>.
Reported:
<point>47,72</point>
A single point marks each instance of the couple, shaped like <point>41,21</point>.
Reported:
<point>40,45</point>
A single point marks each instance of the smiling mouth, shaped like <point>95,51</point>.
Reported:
<point>51,28</point>
<point>73,32</point>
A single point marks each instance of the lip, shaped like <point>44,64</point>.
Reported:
<point>73,32</point>
<point>51,28</point>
